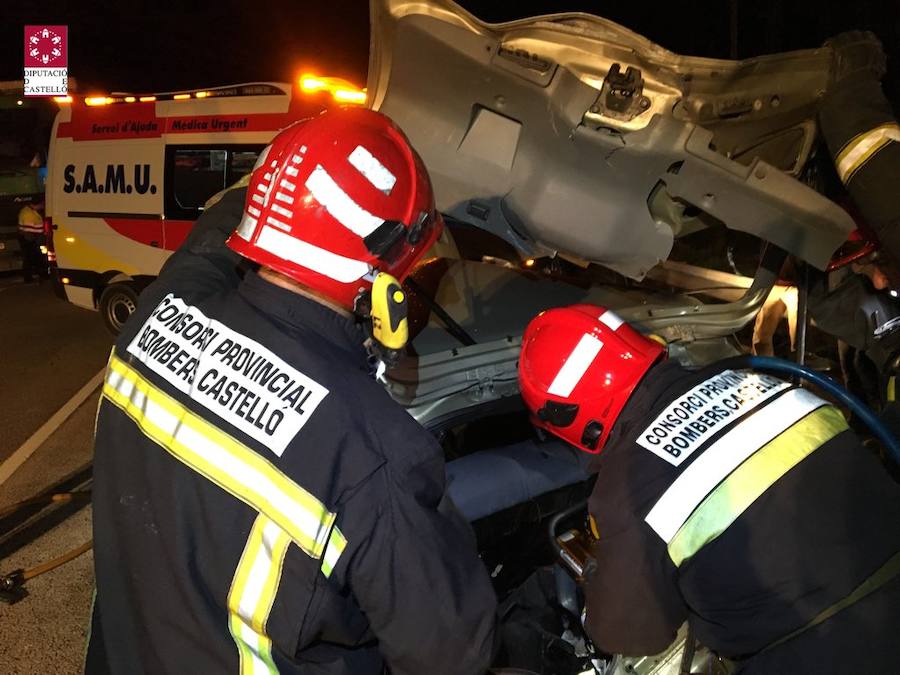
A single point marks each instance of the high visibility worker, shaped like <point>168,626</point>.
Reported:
<point>261,505</point>
<point>728,498</point>
<point>31,237</point>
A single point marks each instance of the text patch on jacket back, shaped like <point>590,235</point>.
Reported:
<point>231,375</point>
<point>696,415</point>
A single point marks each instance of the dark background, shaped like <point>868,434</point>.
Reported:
<point>142,46</point>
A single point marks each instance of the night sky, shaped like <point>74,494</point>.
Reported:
<point>142,46</point>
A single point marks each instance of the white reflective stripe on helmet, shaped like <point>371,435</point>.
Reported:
<point>281,211</point>
<point>262,157</point>
<point>376,172</point>
<point>724,456</point>
<point>339,204</point>
<point>246,226</point>
<point>611,320</point>
<point>274,222</point>
<point>576,366</point>
<point>337,267</point>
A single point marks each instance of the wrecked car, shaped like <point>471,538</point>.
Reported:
<point>572,157</point>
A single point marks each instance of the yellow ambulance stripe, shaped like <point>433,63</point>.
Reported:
<point>862,147</point>
<point>751,479</point>
<point>222,459</point>
<point>252,593</point>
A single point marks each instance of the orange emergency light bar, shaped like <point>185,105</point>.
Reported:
<point>98,100</point>
<point>248,89</point>
<point>341,90</point>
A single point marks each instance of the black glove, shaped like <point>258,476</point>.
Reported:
<point>856,53</point>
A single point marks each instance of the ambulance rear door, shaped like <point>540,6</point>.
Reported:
<point>107,197</point>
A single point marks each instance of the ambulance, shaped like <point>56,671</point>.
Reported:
<point>129,175</point>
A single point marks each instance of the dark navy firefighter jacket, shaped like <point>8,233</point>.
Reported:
<point>260,504</point>
<point>745,505</point>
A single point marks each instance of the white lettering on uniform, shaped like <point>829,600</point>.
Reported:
<point>722,457</point>
<point>231,375</point>
<point>696,415</point>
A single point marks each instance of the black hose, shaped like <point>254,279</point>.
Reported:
<point>860,409</point>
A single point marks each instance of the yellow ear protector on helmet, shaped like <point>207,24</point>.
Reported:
<point>389,326</point>
<point>386,307</point>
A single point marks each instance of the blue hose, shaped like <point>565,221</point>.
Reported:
<point>860,409</point>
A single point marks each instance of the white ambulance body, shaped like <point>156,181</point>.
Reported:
<point>128,176</point>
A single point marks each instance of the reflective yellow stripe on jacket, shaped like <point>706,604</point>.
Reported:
<point>748,482</point>
<point>252,593</point>
<point>287,512</point>
<point>863,147</point>
<point>222,459</point>
<point>738,468</point>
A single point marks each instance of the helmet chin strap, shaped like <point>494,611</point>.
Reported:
<point>383,314</point>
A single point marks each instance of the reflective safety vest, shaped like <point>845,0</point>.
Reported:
<point>30,220</point>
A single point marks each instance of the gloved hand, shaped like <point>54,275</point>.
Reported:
<point>856,53</point>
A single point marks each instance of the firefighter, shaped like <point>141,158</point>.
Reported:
<point>863,138</point>
<point>728,498</point>
<point>862,134</point>
<point>260,503</point>
<point>31,237</point>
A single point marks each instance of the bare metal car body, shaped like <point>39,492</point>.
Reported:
<point>570,135</point>
<point>532,129</point>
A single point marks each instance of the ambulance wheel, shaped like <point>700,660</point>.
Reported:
<point>117,303</point>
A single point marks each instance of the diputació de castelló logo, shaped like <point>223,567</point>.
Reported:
<point>46,60</point>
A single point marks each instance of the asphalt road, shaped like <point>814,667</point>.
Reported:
<point>50,350</point>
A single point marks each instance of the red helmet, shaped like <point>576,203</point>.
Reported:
<point>335,199</point>
<point>577,369</point>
